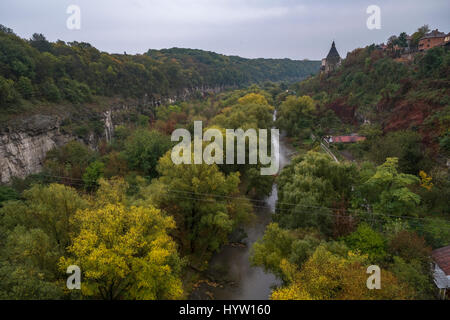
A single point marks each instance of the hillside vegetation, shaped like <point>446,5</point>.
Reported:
<point>385,202</point>
<point>393,95</point>
<point>37,71</point>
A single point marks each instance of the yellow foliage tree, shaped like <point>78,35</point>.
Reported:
<point>425,180</point>
<point>253,98</point>
<point>326,276</point>
<point>125,253</point>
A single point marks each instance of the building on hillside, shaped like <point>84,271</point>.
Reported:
<point>345,139</point>
<point>381,47</point>
<point>432,39</point>
<point>447,41</point>
<point>332,61</point>
<point>441,270</point>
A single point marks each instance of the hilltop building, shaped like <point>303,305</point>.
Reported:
<point>431,40</point>
<point>332,61</point>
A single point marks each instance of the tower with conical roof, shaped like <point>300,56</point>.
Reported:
<point>332,61</point>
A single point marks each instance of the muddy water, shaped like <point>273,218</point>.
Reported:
<point>232,262</point>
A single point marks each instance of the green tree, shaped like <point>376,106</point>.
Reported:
<point>28,264</point>
<point>280,244</point>
<point>201,199</point>
<point>367,241</point>
<point>436,231</point>
<point>35,233</point>
<point>295,115</point>
<point>387,191</point>
<point>402,40</point>
<point>8,94</point>
<point>70,160</point>
<point>418,278</point>
<point>416,36</point>
<point>143,150</point>
<point>39,41</point>
<point>45,207</point>
<point>404,145</point>
<point>25,87</point>
<point>93,172</point>
<point>312,189</point>
<point>50,91</point>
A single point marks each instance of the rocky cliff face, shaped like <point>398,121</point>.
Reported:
<point>24,144</point>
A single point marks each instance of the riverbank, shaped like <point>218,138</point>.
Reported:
<point>230,275</point>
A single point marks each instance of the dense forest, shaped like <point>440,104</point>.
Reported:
<point>142,227</point>
<point>388,205</point>
<point>138,223</point>
<point>37,71</point>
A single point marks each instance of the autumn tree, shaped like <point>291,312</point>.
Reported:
<point>327,276</point>
<point>125,252</point>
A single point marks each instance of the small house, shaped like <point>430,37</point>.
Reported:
<point>441,270</point>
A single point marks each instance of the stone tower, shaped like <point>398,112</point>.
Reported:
<point>332,61</point>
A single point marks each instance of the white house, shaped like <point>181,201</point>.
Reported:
<point>441,270</point>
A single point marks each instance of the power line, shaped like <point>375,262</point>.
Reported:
<point>373,216</point>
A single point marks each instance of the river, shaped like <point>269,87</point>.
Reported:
<point>232,263</point>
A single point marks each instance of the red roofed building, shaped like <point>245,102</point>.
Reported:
<point>431,40</point>
<point>346,139</point>
<point>441,270</point>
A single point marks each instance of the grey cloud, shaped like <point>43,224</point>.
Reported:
<point>249,28</point>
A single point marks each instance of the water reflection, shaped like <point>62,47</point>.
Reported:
<point>232,263</point>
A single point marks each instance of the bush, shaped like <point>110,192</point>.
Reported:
<point>367,241</point>
<point>7,193</point>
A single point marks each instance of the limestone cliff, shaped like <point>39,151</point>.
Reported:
<point>24,144</point>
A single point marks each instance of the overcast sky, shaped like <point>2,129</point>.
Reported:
<point>295,29</point>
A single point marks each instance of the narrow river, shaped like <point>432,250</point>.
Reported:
<point>242,280</point>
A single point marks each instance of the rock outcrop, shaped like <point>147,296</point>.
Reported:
<point>25,143</point>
